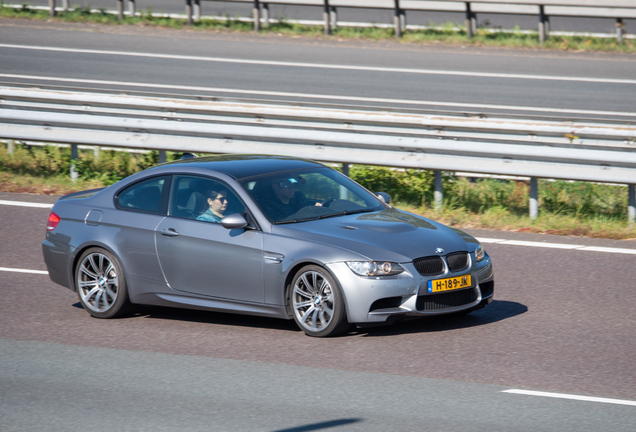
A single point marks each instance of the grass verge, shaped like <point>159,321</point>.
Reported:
<point>567,208</point>
<point>501,219</point>
<point>445,34</point>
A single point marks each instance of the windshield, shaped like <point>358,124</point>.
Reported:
<point>297,196</point>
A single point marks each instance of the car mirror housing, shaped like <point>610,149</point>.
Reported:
<point>234,221</point>
<point>384,197</point>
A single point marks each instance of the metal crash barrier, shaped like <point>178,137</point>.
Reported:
<point>583,149</point>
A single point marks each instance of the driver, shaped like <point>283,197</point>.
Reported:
<point>287,200</point>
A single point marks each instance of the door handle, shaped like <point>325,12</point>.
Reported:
<point>170,232</point>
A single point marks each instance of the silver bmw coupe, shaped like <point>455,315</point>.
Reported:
<point>261,235</point>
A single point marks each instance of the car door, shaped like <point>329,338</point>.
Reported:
<point>203,257</point>
<point>131,228</point>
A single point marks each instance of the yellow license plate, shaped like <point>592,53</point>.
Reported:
<point>439,285</point>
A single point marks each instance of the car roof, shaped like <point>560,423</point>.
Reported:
<point>245,166</point>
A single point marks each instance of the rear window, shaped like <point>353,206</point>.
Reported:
<point>144,196</point>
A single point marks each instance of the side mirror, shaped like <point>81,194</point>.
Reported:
<point>234,221</point>
<point>384,197</point>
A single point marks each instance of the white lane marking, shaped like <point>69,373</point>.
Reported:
<point>25,204</point>
<point>17,270</point>
<point>541,244</point>
<point>557,246</point>
<point>569,396</point>
<point>326,66</point>
<point>322,96</point>
<point>490,240</point>
<point>610,250</point>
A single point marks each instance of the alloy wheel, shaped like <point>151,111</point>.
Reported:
<point>313,301</point>
<point>97,282</point>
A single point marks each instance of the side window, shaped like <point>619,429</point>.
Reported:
<point>143,196</point>
<point>203,199</point>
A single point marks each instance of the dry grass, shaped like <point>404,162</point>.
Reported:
<point>44,186</point>
<point>498,218</point>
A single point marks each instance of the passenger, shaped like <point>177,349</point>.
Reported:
<point>218,204</point>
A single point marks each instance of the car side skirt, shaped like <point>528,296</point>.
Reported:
<point>212,304</point>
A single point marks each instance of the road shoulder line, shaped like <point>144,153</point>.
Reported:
<point>558,246</point>
<point>570,396</point>
<point>325,66</point>
<point>25,204</point>
<point>348,99</point>
<point>17,270</point>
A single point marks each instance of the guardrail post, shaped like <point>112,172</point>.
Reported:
<point>162,156</point>
<point>534,198</point>
<point>344,192</point>
<point>631,209</point>
<point>188,11</point>
<point>74,156</point>
<point>345,169</point>
<point>65,4</point>
<point>333,12</point>
<point>470,30</point>
<point>257,16</point>
<point>265,7</point>
<point>620,29</point>
<point>326,17</point>
<point>120,9</point>
<point>403,20</point>
<point>543,25</point>
<point>132,8</point>
<point>438,196</point>
<point>197,10</point>
<point>51,8</point>
<point>96,152</point>
<point>396,19</point>
<point>10,147</point>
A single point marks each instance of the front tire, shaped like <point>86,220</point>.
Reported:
<point>317,302</point>
<point>100,284</point>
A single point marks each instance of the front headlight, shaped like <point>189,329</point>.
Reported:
<point>372,268</point>
<point>480,252</point>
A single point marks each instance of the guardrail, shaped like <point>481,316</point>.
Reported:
<point>586,150</point>
<point>543,9</point>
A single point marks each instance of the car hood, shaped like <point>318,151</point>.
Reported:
<point>387,235</point>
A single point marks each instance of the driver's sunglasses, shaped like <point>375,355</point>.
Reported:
<point>221,198</point>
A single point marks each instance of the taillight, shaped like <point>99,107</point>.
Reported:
<point>53,221</point>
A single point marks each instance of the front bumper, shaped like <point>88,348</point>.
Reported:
<point>378,300</point>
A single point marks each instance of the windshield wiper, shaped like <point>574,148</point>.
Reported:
<point>345,212</point>
<point>294,221</point>
<point>342,213</point>
<point>367,210</point>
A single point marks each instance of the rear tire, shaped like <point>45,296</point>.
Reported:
<point>317,303</point>
<point>100,284</point>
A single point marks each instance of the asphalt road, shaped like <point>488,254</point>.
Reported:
<point>219,8</point>
<point>382,74</point>
<point>563,321</point>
